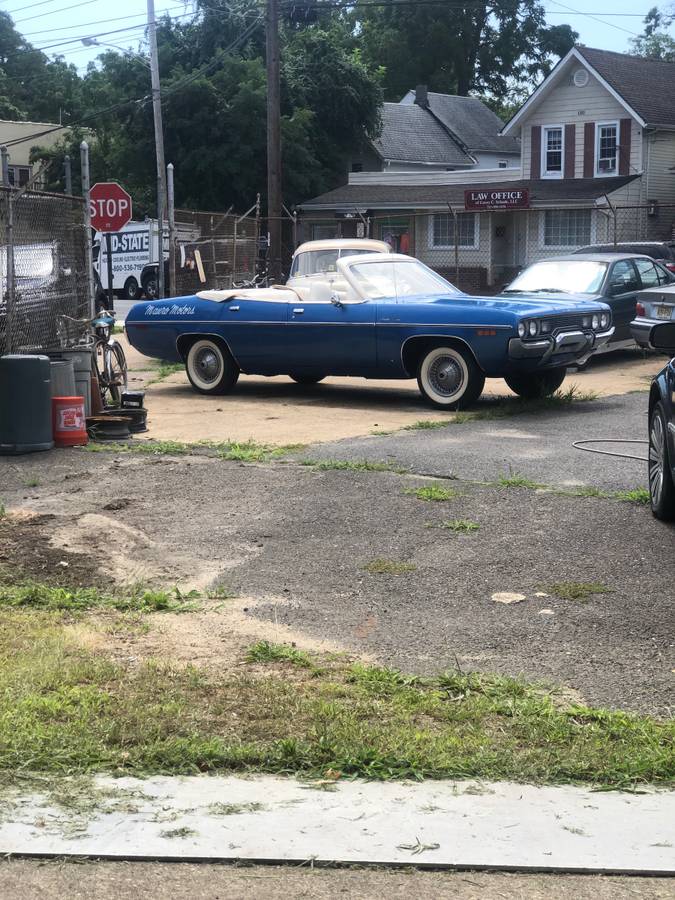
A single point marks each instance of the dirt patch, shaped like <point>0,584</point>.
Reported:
<point>26,553</point>
<point>216,637</point>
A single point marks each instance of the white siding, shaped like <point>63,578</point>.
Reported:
<point>567,104</point>
<point>660,152</point>
<point>488,160</point>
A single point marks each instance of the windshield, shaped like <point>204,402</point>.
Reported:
<point>563,276</point>
<point>395,278</point>
<point>30,260</point>
<point>315,262</point>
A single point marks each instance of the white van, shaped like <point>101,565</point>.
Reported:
<point>133,248</point>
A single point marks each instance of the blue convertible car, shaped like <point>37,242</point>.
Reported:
<point>380,315</point>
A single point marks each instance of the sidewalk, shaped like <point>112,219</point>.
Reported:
<point>465,825</point>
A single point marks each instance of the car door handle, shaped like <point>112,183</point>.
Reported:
<point>298,311</point>
<point>234,309</point>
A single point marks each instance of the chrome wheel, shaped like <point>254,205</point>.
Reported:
<point>446,376</point>
<point>657,443</point>
<point>208,365</point>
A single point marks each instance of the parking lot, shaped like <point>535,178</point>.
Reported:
<point>333,546</point>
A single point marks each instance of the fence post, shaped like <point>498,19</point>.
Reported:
<point>172,230</point>
<point>84,166</point>
<point>4,153</point>
<point>234,251</point>
<point>68,174</point>
<point>9,348</point>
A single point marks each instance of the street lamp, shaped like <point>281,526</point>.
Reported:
<point>93,42</point>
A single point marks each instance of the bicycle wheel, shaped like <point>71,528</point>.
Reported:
<point>116,371</point>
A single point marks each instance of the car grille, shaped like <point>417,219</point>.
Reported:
<point>564,323</point>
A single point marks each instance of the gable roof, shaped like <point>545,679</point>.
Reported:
<point>411,134</point>
<point>469,119</point>
<point>647,85</point>
<point>642,86</point>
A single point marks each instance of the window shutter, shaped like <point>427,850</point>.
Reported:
<point>570,149</point>
<point>624,146</point>
<point>589,149</point>
<point>535,152</point>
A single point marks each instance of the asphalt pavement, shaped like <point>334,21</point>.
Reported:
<point>538,445</point>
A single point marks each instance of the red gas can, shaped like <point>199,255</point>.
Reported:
<point>68,421</point>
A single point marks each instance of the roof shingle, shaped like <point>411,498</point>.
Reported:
<point>374,196</point>
<point>411,134</point>
<point>647,85</point>
<point>473,122</point>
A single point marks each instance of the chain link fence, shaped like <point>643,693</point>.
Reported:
<point>214,249</point>
<point>43,267</point>
<point>482,251</point>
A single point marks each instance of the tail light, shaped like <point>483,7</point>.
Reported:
<point>670,267</point>
<point>639,309</point>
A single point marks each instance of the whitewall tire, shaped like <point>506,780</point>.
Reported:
<point>210,367</point>
<point>449,378</point>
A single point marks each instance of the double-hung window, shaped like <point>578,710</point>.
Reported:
<point>566,227</point>
<point>442,230</point>
<point>552,149</point>
<point>606,148</point>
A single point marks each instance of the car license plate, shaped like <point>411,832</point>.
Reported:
<point>664,312</point>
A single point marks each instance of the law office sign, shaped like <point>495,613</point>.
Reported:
<point>497,199</point>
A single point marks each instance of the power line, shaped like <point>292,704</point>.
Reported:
<point>53,12</point>
<point>101,22</point>
<point>30,6</point>
<point>595,18</point>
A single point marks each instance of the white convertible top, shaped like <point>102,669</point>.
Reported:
<point>280,293</point>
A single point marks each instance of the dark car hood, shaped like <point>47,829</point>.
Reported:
<point>526,304</point>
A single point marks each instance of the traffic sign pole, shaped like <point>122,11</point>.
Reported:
<point>108,248</point>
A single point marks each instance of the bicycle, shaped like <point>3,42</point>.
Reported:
<point>107,353</point>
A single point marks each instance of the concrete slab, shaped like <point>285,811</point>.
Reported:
<point>269,819</point>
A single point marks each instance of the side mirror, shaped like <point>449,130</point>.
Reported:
<point>662,337</point>
<point>335,300</point>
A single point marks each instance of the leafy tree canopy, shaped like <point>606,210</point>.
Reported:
<point>337,64</point>
<point>655,41</point>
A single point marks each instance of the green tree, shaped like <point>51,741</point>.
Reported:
<point>655,42</point>
<point>483,47</point>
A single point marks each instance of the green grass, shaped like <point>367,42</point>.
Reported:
<point>381,566</point>
<point>517,480</point>
<point>577,590</point>
<point>636,495</point>
<point>363,465</point>
<point>460,526</point>
<point>32,482</point>
<point>247,451</point>
<point>427,425</point>
<point>39,596</point>
<point>66,710</point>
<point>517,406</point>
<point>432,493</point>
<point>164,369</point>
<point>266,652</point>
<point>3,511</point>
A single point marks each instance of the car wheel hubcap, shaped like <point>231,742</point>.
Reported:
<point>445,376</point>
<point>207,365</point>
<point>656,453</point>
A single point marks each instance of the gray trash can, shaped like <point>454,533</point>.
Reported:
<point>25,404</point>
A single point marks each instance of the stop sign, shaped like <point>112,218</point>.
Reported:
<point>109,206</point>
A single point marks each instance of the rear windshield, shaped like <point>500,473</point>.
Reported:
<point>315,262</point>
<point>656,251</point>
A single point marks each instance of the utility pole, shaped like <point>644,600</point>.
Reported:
<point>159,143</point>
<point>273,141</point>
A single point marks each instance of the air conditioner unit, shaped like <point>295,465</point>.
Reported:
<point>606,165</point>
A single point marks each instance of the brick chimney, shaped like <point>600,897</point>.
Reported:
<point>422,96</point>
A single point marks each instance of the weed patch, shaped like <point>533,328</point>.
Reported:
<point>165,369</point>
<point>517,406</point>
<point>266,652</point>
<point>3,511</point>
<point>388,567</point>
<point>636,495</point>
<point>432,493</point>
<point>349,465</point>
<point>66,710</point>
<point>247,451</point>
<point>427,425</point>
<point>515,479</point>
<point>32,482</point>
<point>460,526</point>
<point>36,595</point>
<point>577,590</point>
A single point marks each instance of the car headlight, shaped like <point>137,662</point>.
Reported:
<point>604,320</point>
<point>586,322</point>
<point>595,321</point>
<point>522,329</point>
<point>534,328</point>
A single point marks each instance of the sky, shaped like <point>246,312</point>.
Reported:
<point>607,24</point>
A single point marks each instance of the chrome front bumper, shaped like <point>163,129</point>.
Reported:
<point>566,343</point>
